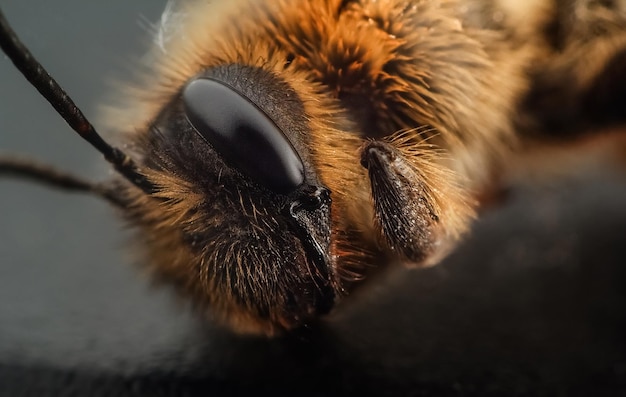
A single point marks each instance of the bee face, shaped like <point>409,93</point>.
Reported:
<point>239,215</point>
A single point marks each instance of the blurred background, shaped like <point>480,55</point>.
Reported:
<point>533,303</point>
<point>63,256</point>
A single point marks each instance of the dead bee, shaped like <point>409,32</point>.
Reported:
<point>277,150</point>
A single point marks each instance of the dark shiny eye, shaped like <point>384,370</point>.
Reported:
<point>243,134</point>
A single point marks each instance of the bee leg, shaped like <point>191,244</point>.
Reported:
<point>405,212</point>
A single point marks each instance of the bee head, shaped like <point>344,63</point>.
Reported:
<point>238,217</point>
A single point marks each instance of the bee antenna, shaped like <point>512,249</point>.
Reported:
<point>29,169</point>
<point>35,73</point>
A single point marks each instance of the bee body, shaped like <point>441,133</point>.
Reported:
<point>287,146</point>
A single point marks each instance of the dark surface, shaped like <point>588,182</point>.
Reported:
<point>533,303</point>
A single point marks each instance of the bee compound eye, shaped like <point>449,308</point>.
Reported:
<point>243,134</point>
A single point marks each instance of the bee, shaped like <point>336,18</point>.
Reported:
<point>274,153</point>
